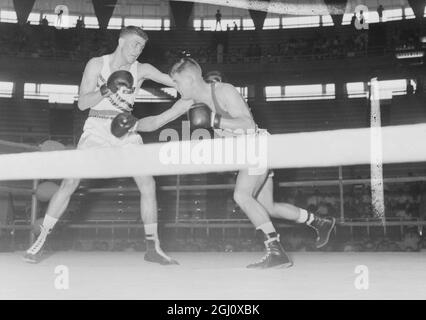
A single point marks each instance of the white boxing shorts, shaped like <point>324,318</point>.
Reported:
<point>97,133</point>
<point>221,133</point>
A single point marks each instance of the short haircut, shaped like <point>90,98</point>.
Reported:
<point>133,30</point>
<point>213,76</point>
<point>185,64</point>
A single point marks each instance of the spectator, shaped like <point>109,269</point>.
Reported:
<point>312,202</point>
<point>227,27</point>
<point>220,49</point>
<point>361,17</point>
<point>249,53</point>
<point>410,88</point>
<point>80,23</point>
<point>422,201</point>
<point>218,20</point>
<point>257,52</point>
<point>59,18</point>
<point>44,22</point>
<point>322,209</point>
<point>410,241</point>
<point>353,20</point>
<point>235,26</point>
<point>284,49</point>
<point>380,12</point>
<point>401,211</point>
<point>275,52</point>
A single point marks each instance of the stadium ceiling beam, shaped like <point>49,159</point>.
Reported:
<point>258,17</point>
<point>103,11</point>
<point>340,5</point>
<point>418,7</point>
<point>23,9</point>
<point>181,12</point>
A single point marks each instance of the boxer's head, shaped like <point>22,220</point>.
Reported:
<point>187,75</point>
<point>131,43</point>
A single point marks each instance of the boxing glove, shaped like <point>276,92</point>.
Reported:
<point>201,116</point>
<point>122,124</point>
<point>117,80</point>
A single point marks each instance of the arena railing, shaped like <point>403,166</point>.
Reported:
<point>207,224</point>
<point>34,138</point>
<point>99,227</point>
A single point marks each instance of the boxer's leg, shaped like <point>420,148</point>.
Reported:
<point>61,198</point>
<point>322,226</point>
<point>91,137</point>
<point>279,210</point>
<point>146,186</point>
<point>148,205</point>
<point>244,195</point>
<point>55,210</point>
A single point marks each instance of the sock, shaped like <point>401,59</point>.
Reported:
<point>151,232</point>
<point>268,229</point>
<point>305,217</point>
<point>49,222</point>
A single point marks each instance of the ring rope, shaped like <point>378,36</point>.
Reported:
<point>401,144</point>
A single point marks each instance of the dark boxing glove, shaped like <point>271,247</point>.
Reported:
<point>122,124</point>
<point>201,116</point>
<point>118,79</point>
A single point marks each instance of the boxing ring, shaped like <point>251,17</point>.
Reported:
<point>202,275</point>
<point>315,275</point>
<point>214,276</point>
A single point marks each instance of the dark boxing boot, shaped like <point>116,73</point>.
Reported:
<point>275,256</point>
<point>323,228</point>
<point>156,255</point>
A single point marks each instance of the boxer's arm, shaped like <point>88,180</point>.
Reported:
<point>152,123</point>
<point>88,97</point>
<point>236,107</point>
<point>148,71</point>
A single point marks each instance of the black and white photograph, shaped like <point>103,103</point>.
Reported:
<point>212,154</point>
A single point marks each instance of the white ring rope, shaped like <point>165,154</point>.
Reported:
<point>400,144</point>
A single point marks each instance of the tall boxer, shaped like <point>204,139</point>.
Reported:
<point>109,87</point>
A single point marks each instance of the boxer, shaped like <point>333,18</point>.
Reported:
<point>221,107</point>
<point>109,86</point>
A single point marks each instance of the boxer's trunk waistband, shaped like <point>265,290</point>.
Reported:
<point>103,114</point>
<point>255,131</point>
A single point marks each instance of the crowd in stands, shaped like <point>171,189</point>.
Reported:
<point>404,38</point>
<point>46,41</point>
<point>317,48</point>
<point>401,202</point>
<point>81,44</point>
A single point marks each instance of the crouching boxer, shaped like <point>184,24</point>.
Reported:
<point>220,106</point>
